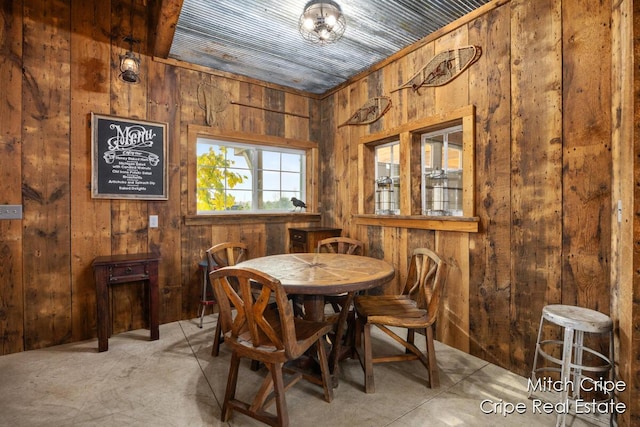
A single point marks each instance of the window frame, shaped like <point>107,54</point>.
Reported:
<point>410,136</point>
<point>311,166</point>
<point>254,180</point>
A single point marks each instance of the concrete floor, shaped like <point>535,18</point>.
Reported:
<point>176,382</point>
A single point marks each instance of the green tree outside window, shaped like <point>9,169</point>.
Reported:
<point>212,174</point>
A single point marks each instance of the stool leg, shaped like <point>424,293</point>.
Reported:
<point>612,364</point>
<point>565,374</point>
<point>201,314</point>
<point>204,296</point>
<point>577,376</point>
<point>535,357</point>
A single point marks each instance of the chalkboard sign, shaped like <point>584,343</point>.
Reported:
<point>129,158</point>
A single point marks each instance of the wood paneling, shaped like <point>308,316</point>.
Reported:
<point>45,174</point>
<point>536,170</point>
<point>11,256</point>
<point>163,107</point>
<point>489,251</point>
<point>129,218</point>
<point>452,326</point>
<point>625,144</point>
<point>544,158</point>
<point>586,150</point>
<point>90,86</point>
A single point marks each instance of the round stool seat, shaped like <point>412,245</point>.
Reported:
<point>578,318</point>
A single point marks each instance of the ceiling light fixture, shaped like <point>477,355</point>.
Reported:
<point>322,22</point>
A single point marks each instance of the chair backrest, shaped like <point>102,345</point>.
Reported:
<point>341,245</point>
<point>226,254</point>
<point>256,328</point>
<point>426,280</point>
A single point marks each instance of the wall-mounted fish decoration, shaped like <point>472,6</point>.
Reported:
<point>444,67</point>
<point>371,111</point>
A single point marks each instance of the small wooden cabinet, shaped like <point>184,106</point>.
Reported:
<point>306,239</point>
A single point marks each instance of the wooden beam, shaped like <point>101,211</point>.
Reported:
<point>167,19</point>
<point>625,230</point>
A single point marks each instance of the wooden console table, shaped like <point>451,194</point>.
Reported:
<point>115,269</point>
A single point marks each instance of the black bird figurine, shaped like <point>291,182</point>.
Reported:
<point>298,203</point>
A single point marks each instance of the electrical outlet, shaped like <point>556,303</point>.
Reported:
<point>10,211</point>
<point>153,221</point>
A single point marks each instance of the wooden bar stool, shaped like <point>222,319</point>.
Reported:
<point>207,299</point>
<point>573,364</point>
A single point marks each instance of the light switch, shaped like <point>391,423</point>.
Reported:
<point>153,221</point>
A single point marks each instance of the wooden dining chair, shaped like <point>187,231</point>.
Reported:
<point>344,316</point>
<point>415,309</point>
<point>272,337</point>
<point>224,255</point>
<point>341,245</point>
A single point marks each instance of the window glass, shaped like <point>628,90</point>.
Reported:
<point>387,158</point>
<point>442,172</point>
<point>242,177</point>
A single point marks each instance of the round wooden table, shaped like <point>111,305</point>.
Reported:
<point>314,275</point>
<point>317,274</point>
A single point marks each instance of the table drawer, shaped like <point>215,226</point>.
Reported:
<point>298,236</point>
<point>128,270</point>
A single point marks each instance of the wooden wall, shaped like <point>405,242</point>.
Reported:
<point>542,93</point>
<point>543,126</point>
<point>543,170</point>
<point>58,63</point>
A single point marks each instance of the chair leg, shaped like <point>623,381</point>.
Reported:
<point>350,338</point>
<point>369,385</point>
<point>341,334</point>
<point>434,379</point>
<point>278,391</point>
<point>230,393</point>
<point>217,339</point>
<point>357,334</point>
<point>327,382</point>
<point>411,334</point>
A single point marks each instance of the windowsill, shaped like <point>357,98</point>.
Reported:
<point>251,218</point>
<point>442,223</point>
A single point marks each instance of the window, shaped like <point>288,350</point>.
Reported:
<point>236,177</point>
<point>442,172</point>
<point>430,163</point>
<point>387,159</point>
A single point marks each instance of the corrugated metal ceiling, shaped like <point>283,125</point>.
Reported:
<point>260,39</point>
